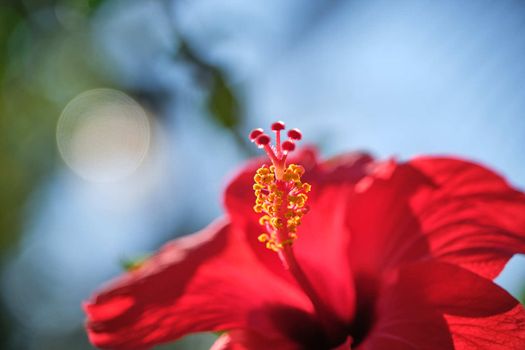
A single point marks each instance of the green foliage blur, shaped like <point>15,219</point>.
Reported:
<point>47,57</point>
<point>42,66</point>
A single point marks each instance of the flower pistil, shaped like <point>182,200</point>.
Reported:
<point>281,198</point>
<point>280,193</point>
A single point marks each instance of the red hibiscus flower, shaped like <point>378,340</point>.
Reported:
<point>361,254</point>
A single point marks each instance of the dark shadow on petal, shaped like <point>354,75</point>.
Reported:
<point>404,321</point>
<point>366,295</point>
<point>456,291</point>
<point>299,327</point>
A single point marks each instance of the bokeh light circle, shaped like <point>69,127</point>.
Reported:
<point>103,135</point>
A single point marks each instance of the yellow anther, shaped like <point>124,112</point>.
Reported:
<point>264,237</point>
<point>296,220</point>
<point>288,176</point>
<point>272,245</point>
<point>288,241</point>
<point>276,222</point>
<point>297,169</point>
<point>301,200</point>
<point>263,171</point>
<point>264,219</point>
<point>282,203</point>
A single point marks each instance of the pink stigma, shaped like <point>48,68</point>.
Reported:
<point>288,146</point>
<point>295,134</point>
<point>278,126</point>
<point>262,140</point>
<point>254,133</point>
<point>278,152</point>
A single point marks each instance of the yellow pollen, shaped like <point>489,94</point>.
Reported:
<point>263,237</point>
<point>264,219</point>
<point>282,203</point>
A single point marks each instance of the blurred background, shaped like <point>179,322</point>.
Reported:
<point>121,121</point>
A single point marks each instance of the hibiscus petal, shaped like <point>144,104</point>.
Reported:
<point>479,313</point>
<point>471,216</point>
<point>384,230</point>
<point>208,281</point>
<point>404,321</point>
<point>442,208</point>
<point>499,332</point>
<point>436,305</point>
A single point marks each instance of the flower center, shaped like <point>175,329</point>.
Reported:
<point>281,196</point>
<point>281,199</point>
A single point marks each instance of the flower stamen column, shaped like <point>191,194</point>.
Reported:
<point>281,198</point>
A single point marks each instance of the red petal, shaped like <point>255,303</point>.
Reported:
<point>499,332</point>
<point>479,313</point>
<point>441,306</point>
<point>471,216</point>
<point>407,323</point>
<point>384,230</point>
<point>322,246</point>
<point>206,281</point>
<point>450,209</point>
